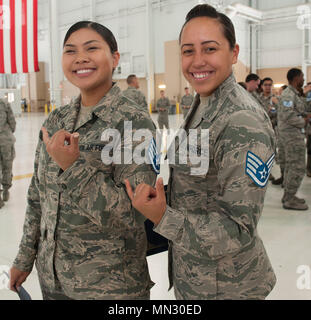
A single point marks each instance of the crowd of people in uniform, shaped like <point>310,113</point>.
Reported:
<point>84,223</point>
<point>289,110</point>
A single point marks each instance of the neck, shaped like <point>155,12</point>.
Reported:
<point>91,97</point>
<point>294,85</point>
<point>267,94</point>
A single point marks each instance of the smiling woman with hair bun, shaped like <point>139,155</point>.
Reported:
<point>211,219</point>
<point>80,228</point>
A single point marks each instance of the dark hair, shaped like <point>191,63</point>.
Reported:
<point>284,87</point>
<point>266,79</point>
<point>251,76</point>
<point>186,88</point>
<point>205,10</point>
<point>130,78</point>
<point>242,84</point>
<point>104,32</point>
<point>293,73</point>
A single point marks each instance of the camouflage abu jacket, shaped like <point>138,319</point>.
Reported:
<point>7,124</point>
<point>211,219</point>
<point>291,110</point>
<point>137,96</point>
<point>80,223</point>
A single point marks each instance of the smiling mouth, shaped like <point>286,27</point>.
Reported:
<point>84,72</point>
<point>200,76</point>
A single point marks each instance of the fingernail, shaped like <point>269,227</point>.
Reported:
<point>76,135</point>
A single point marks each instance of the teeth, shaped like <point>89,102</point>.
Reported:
<point>201,75</point>
<point>84,71</point>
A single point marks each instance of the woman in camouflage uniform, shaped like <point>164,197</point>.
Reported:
<point>211,218</point>
<point>80,228</point>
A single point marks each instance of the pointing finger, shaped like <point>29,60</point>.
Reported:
<point>45,136</point>
<point>129,189</point>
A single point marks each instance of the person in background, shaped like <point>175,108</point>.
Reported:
<point>242,84</point>
<point>133,93</point>
<point>212,212</point>
<point>291,122</point>
<point>252,82</point>
<point>80,228</point>
<point>186,102</point>
<point>7,150</point>
<point>163,106</point>
<point>307,93</point>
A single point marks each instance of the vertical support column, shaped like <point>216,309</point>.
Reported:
<point>253,48</point>
<point>305,51</point>
<point>55,54</point>
<point>150,52</point>
<point>93,10</point>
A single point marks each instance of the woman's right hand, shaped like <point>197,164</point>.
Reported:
<point>17,277</point>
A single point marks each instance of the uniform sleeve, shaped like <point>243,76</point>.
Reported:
<point>290,115</point>
<point>31,230</point>
<point>231,224</point>
<point>144,101</point>
<point>102,196</point>
<point>11,118</point>
<point>168,104</point>
<point>182,103</point>
<point>158,105</point>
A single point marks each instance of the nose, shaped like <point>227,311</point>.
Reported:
<point>82,58</point>
<point>199,59</point>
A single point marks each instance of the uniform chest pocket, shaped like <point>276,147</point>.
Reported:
<point>192,153</point>
<point>96,155</point>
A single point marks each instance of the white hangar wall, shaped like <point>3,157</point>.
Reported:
<point>279,43</point>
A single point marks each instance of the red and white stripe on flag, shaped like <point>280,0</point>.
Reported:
<point>18,36</point>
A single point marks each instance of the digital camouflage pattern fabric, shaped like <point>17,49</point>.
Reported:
<point>79,225</point>
<point>164,104</point>
<point>186,102</point>
<point>137,96</point>
<point>211,220</point>
<point>291,125</point>
<point>7,140</point>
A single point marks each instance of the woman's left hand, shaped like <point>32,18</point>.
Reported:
<point>148,201</point>
<point>63,147</point>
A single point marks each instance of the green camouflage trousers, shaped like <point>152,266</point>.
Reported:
<point>295,165</point>
<point>163,120</point>
<point>7,155</point>
<point>280,155</point>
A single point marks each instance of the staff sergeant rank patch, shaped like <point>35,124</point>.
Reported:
<point>257,170</point>
<point>154,157</point>
<point>288,104</point>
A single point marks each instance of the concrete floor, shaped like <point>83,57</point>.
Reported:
<point>286,234</point>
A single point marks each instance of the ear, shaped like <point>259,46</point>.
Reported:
<point>235,54</point>
<point>116,58</point>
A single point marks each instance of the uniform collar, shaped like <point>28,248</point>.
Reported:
<point>293,89</point>
<point>104,111</point>
<point>215,101</point>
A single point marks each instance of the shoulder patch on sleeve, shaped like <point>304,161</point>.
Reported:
<point>154,157</point>
<point>288,103</point>
<point>258,170</point>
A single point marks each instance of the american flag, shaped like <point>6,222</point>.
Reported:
<point>18,36</point>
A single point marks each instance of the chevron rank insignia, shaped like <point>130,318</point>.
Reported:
<point>257,170</point>
<point>288,104</point>
<point>154,157</point>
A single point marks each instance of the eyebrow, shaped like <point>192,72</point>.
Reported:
<point>204,42</point>
<point>85,44</point>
